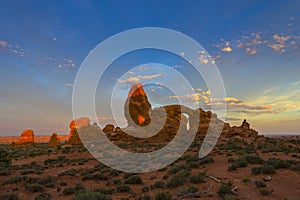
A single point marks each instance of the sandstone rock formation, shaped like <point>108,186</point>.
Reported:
<point>75,125</point>
<point>137,107</point>
<point>138,112</point>
<point>109,128</point>
<point>243,131</point>
<point>54,140</point>
<point>27,137</point>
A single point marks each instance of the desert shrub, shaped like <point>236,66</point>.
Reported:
<point>253,159</point>
<point>4,160</point>
<point>34,187</point>
<point>123,188</point>
<point>5,173</point>
<point>71,172</point>
<point>127,175</point>
<point>176,168</point>
<point>46,181</point>
<point>27,172</point>
<point>206,160</point>
<point>225,189</point>
<point>198,178</point>
<point>260,184</point>
<point>68,191</point>
<point>163,196</point>
<point>145,197</point>
<point>145,188</point>
<point>265,192</point>
<point>231,160</point>
<point>63,183</point>
<point>188,190</point>
<point>241,162</point>
<point>9,196</point>
<point>278,163</point>
<point>246,179</point>
<point>158,184</point>
<point>102,177</point>
<point>72,190</point>
<point>43,196</point>
<point>117,181</point>
<point>266,169</point>
<point>232,167</point>
<point>105,190</point>
<point>114,172</point>
<point>135,179</point>
<point>90,195</point>
<point>295,167</point>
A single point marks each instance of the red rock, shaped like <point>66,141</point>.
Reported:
<point>137,108</point>
<point>136,90</point>
<point>27,137</point>
<point>77,123</point>
<point>54,140</point>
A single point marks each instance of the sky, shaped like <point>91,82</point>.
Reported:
<point>254,44</point>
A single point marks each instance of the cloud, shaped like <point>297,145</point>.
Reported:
<point>281,39</point>
<point>251,51</point>
<point>140,78</point>
<point>227,49</point>
<point>69,85</point>
<point>278,47</point>
<point>3,44</point>
<point>255,41</point>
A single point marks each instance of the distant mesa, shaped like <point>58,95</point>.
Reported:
<point>27,137</point>
<point>54,140</point>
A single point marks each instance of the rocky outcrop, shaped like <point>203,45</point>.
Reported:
<point>109,128</point>
<point>27,137</point>
<point>243,131</point>
<point>138,112</point>
<point>75,125</point>
<point>54,140</point>
<point>137,107</point>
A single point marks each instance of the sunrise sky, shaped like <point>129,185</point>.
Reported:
<point>255,45</point>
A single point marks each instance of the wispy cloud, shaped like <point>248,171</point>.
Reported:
<point>69,84</point>
<point>135,79</point>
<point>227,49</point>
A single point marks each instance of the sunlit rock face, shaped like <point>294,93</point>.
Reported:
<point>75,125</point>
<point>137,107</point>
<point>54,140</point>
<point>27,137</point>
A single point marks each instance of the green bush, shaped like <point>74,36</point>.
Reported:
<point>225,189</point>
<point>90,195</point>
<point>123,188</point>
<point>68,191</point>
<point>278,163</point>
<point>260,184</point>
<point>253,159</point>
<point>135,179</point>
<point>266,169</point>
<point>176,168</point>
<point>158,184</point>
<point>9,196</point>
<point>265,192</point>
<point>43,196</point>
<point>163,196</point>
<point>198,178</point>
<point>34,187</point>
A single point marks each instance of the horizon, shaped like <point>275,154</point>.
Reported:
<point>254,44</point>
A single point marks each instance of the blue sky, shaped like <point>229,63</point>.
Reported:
<point>255,45</point>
